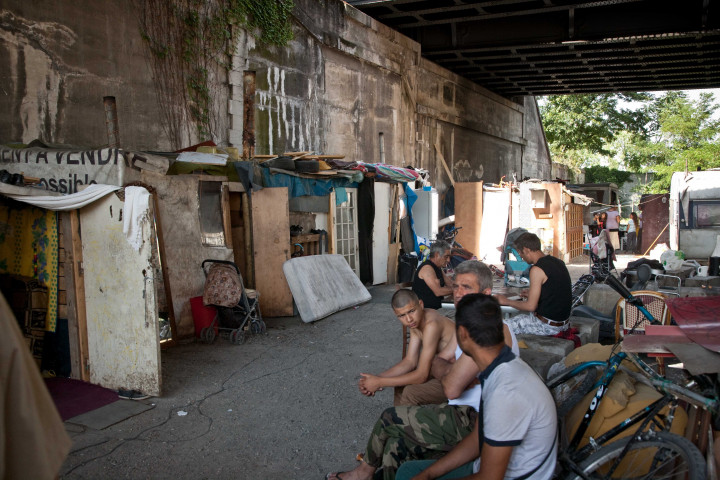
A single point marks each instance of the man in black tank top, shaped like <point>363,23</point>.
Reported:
<point>550,294</point>
<point>430,284</point>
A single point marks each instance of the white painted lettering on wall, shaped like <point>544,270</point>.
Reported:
<point>64,171</point>
<point>288,117</point>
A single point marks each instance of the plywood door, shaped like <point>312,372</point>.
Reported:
<point>381,232</point>
<point>469,215</point>
<point>271,248</point>
<point>120,300</point>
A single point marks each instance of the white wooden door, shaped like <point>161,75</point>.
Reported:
<point>120,298</point>
<point>381,233</point>
<point>345,240</point>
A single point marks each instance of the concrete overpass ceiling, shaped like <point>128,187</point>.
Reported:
<point>550,47</point>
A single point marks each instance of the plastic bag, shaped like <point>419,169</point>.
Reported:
<point>672,259</point>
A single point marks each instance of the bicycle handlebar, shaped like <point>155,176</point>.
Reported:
<point>670,388</point>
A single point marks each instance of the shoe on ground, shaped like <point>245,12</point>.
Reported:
<point>132,395</point>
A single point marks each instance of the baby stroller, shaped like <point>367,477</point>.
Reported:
<point>236,305</point>
<point>517,272</point>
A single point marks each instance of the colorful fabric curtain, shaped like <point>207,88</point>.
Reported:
<point>29,247</point>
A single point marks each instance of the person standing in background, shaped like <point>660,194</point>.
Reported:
<point>613,226</point>
<point>632,228</point>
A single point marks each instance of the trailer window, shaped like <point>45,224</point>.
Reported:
<point>705,214</point>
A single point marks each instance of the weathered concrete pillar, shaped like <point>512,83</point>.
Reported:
<point>111,122</point>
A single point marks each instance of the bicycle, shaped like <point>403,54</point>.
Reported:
<point>651,447</point>
<point>670,453</point>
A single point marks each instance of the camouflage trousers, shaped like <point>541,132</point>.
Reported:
<point>416,432</point>
<point>528,323</point>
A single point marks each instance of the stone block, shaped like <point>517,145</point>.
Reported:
<point>702,282</point>
<point>557,346</point>
<point>539,361</point>
<point>589,329</point>
<point>602,298</point>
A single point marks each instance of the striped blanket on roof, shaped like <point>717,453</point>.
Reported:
<point>391,172</point>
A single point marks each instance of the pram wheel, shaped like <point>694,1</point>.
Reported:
<point>207,335</point>
<point>258,327</point>
<point>237,336</point>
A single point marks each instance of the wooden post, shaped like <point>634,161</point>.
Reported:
<point>247,226</point>
<point>71,303</point>
<point>79,284</point>
<point>165,272</point>
<point>331,222</point>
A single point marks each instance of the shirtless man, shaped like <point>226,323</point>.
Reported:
<point>431,334</point>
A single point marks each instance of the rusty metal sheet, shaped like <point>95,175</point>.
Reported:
<point>699,319</point>
<point>651,344</point>
<point>695,358</point>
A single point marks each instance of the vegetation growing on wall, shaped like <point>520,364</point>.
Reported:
<point>602,174</point>
<point>191,43</point>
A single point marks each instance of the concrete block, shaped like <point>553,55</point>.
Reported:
<point>588,327</point>
<point>602,298</point>
<point>235,107</point>
<point>235,137</point>
<point>539,361</point>
<point>702,282</point>
<point>557,346</point>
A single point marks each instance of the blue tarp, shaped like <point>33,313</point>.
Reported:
<point>411,198</point>
<point>298,186</point>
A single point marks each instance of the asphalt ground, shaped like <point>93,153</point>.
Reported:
<point>282,406</point>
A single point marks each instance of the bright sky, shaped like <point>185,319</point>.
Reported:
<point>693,95</point>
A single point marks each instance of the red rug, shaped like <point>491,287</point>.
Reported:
<point>74,397</point>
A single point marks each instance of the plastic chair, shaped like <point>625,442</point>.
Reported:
<point>627,316</point>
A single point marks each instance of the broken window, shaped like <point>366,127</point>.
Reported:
<point>210,201</point>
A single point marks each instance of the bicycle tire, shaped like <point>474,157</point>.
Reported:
<point>571,391</point>
<point>677,457</point>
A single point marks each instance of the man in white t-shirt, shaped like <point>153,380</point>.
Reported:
<point>515,435</point>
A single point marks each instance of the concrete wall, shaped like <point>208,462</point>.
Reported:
<point>178,211</point>
<point>345,79</point>
<point>59,59</point>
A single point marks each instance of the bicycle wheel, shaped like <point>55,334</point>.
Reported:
<point>571,391</point>
<point>661,455</point>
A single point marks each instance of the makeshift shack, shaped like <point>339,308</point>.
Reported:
<point>695,212</point>
<point>547,209</point>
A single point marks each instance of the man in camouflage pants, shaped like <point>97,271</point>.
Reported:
<point>406,433</point>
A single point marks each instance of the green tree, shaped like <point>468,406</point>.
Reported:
<point>682,135</point>
<point>581,128</point>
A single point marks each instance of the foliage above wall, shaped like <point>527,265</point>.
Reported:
<point>191,43</point>
<point>601,174</point>
<point>661,133</point>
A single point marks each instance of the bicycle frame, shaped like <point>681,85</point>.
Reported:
<point>644,417</point>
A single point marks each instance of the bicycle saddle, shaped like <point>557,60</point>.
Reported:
<point>643,276</point>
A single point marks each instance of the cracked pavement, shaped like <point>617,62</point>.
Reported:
<point>284,405</point>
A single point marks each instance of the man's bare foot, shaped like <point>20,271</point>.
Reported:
<point>362,472</point>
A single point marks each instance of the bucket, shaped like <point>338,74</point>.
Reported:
<point>203,315</point>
